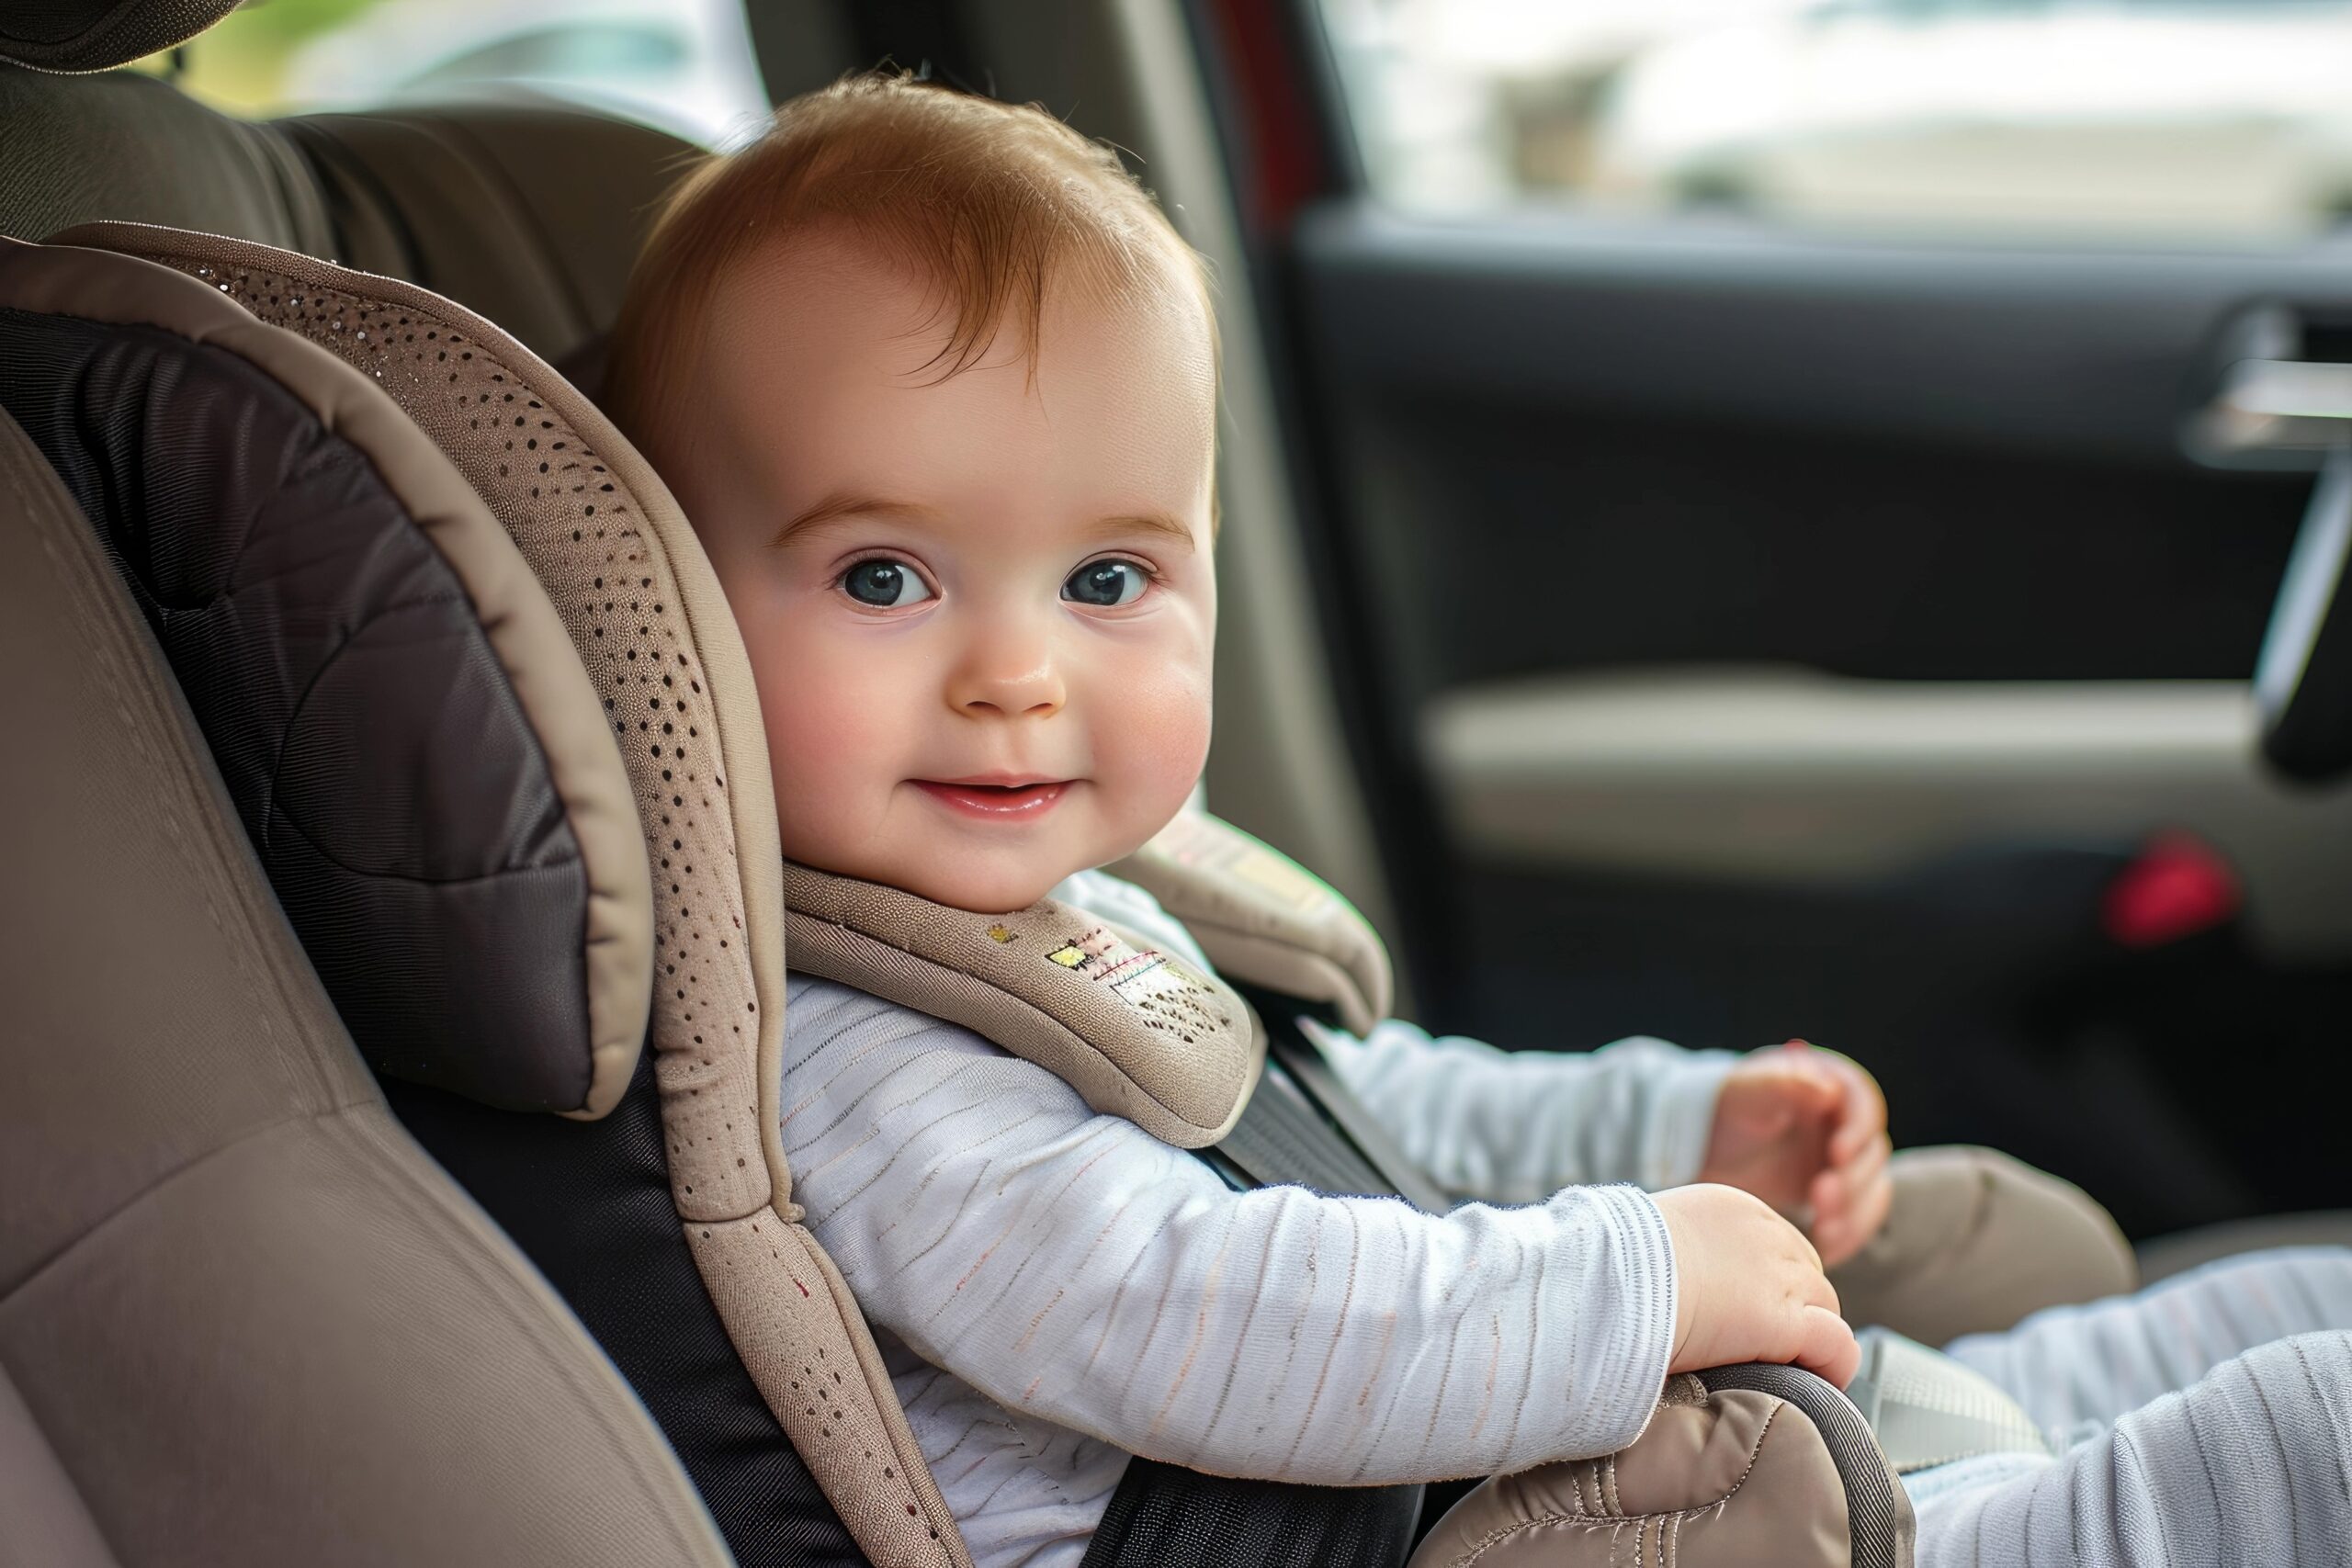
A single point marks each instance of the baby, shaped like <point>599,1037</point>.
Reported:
<point>937,383</point>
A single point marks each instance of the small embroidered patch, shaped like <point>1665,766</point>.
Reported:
<point>1067,957</point>
<point>999,934</point>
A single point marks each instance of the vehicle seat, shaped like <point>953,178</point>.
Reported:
<point>531,213</point>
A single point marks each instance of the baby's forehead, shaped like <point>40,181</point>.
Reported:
<point>837,293</point>
<point>828,369</point>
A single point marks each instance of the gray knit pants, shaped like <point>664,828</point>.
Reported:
<point>2204,1421</point>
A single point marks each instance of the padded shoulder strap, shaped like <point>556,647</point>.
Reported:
<point>1263,919</point>
<point>1138,1033</point>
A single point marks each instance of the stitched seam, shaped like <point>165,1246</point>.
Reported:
<point>1660,1517</point>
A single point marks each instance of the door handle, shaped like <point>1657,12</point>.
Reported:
<point>2276,406</point>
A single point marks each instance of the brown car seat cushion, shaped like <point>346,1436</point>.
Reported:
<point>393,703</point>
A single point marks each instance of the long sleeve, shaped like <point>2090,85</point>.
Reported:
<point>1504,1127</point>
<point>1511,1127</point>
<point>1082,1274</point>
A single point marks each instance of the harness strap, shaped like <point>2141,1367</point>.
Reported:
<point>1302,1126</point>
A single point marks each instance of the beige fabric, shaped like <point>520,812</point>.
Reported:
<point>1263,919</point>
<point>1975,1242</point>
<point>1138,1033</point>
<point>520,624</point>
<point>42,1521</point>
<point>253,1322</point>
<point>650,624</point>
<point>126,145</point>
<point>2176,1254</point>
<point>98,35</point>
<point>529,212</point>
<point>1732,1480</point>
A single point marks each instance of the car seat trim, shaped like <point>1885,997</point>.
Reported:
<point>521,627</point>
<point>717,1024</point>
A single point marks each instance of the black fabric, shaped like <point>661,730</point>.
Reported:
<point>91,35</point>
<point>387,776</point>
<point>1163,1516</point>
<point>589,1203</point>
<point>1878,1513</point>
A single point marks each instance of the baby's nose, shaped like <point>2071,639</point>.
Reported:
<point>1004,687</point>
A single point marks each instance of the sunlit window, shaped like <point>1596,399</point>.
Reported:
<point>2200,119</point>
<point>683,65</point>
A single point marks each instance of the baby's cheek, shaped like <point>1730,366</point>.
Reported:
<point>1160,720</point>
<point>829,747</point>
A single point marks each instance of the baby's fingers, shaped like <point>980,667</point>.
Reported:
<point>1827,1349</point>
<point>1849,1202</point>
<point>1861,1112</point>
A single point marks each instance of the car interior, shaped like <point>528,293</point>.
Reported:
<point>1669,622</point>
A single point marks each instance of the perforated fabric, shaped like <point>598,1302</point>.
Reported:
<point>651,626</point>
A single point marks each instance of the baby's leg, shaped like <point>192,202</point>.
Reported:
<point>2248,1466</point>
<point>2075,1369</point>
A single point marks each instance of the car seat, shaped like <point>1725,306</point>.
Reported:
<point>669,673</point>
<point>667,1225</point>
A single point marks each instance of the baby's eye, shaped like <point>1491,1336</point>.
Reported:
<point>1107,584</point>
<point>886,584</point>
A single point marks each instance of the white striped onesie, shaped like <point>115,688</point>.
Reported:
<point>1054,1290</point>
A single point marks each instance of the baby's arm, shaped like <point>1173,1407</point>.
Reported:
<point>1513,1127</point>
<point>1069,1264</point>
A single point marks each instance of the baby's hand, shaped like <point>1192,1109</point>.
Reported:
<point>1802,1129</point>
<point>1749,1288</point>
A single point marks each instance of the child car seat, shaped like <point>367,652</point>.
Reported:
<point>652,630</point>
<point>594,1204</point>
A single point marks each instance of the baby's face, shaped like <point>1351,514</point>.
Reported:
<point>979,610</point>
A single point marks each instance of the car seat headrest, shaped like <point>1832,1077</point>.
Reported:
<point>411,747</point>
<point>648,620</point>
<point>99,35</point>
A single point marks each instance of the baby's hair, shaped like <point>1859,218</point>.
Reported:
<point>987,203</point>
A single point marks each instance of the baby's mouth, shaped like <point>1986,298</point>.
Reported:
<point>996,797</point>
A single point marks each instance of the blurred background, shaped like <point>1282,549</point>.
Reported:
<point>1749,518</point>
<point>2201,121</point>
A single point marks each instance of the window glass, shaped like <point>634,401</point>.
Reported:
<point>2203,119</point>
<point>684,65</point>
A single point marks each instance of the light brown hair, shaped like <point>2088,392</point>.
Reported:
<point>988,203</point>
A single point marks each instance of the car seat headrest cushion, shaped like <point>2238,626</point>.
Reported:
<point>99,35</point>
<point>393,703</point>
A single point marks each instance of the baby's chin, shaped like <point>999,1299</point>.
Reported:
<point>991,883</point>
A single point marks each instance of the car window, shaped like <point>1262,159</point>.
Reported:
<point>684,65</point>
<point>2193,119</point>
